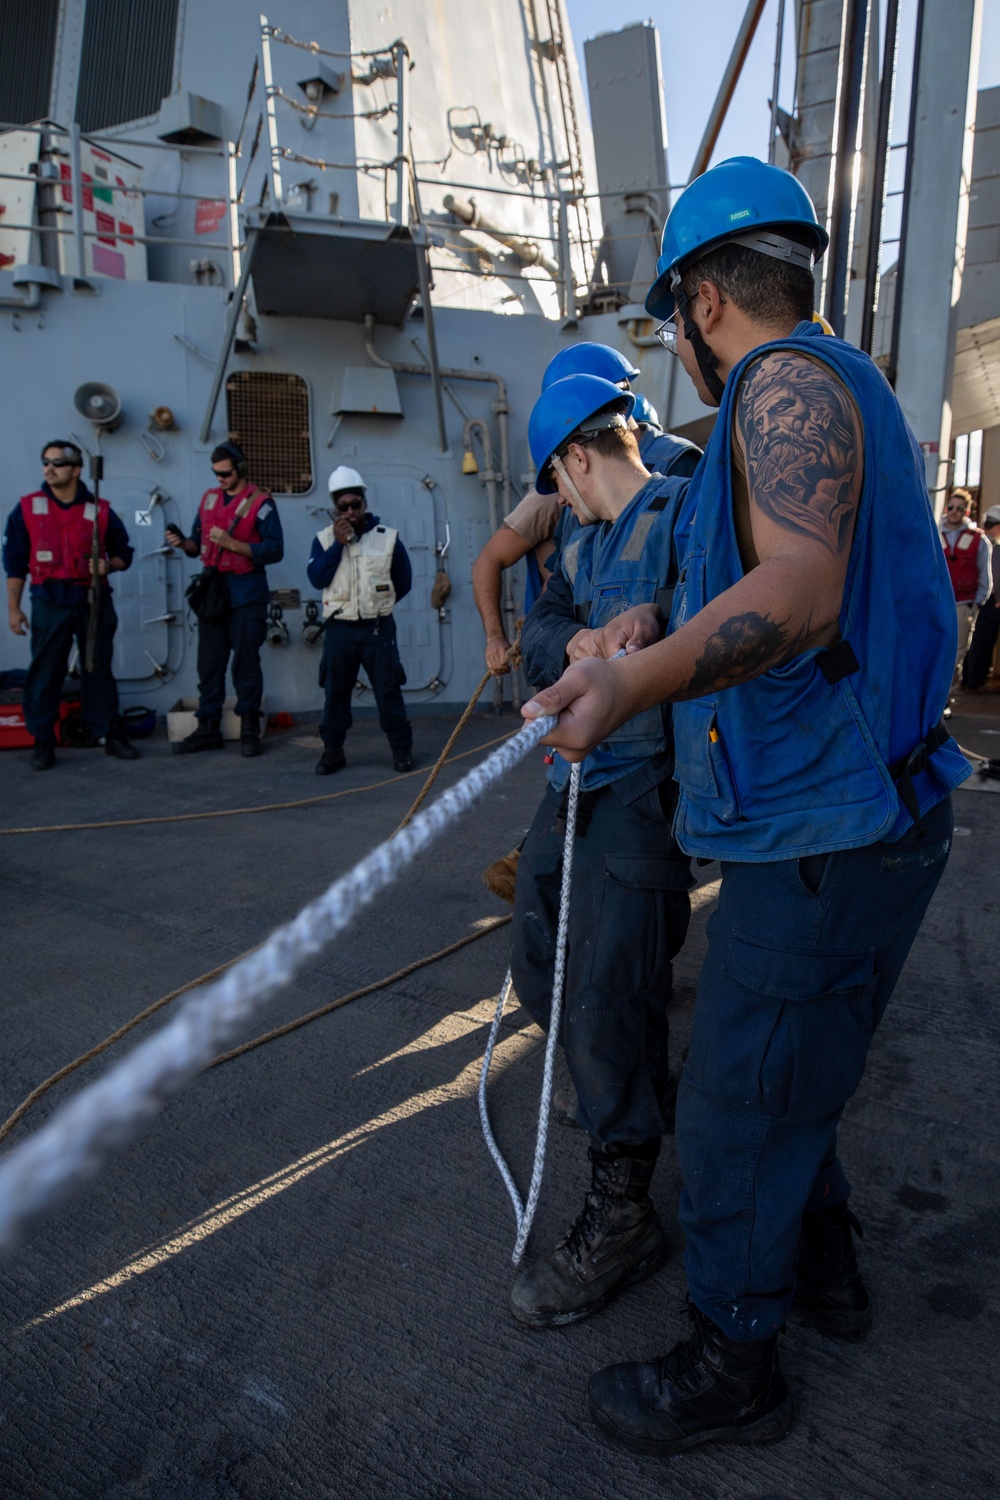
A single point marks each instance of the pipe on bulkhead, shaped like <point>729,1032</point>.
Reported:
<point>502,409</point>
<point>507,607</point>
<point>489,478</point>
<point>501,406</point>
<point>29,302</point>
<point>528,251</point>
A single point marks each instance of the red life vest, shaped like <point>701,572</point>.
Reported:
<point>62,536</point>
<point>218,509</point>
<point>963,563</point>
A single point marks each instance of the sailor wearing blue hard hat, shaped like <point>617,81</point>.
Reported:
<point>535,530</point>
<point>808,659</point>
<point>661,452</point>
<point>626,866</point>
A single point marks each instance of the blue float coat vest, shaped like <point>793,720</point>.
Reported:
<point>790,763</point>
<point>660,451</point>
<point>613,565</point>
<point>566,528</point>
<point>533,580</point>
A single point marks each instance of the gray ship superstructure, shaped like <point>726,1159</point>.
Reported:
<point>356,233</point>
<point>342,234</point>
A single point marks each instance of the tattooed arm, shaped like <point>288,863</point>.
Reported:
<point>797,441</point>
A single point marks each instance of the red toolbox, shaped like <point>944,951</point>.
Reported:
<point>13,733</point>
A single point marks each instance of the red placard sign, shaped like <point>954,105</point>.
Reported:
<point>208,215</point>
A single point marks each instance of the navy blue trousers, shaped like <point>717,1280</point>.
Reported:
<point>54,628</point>
<point>802,958</point>
<point>628,917</point>
<point>241,636</point>
<point>979,657</point>
<point>349,645</point>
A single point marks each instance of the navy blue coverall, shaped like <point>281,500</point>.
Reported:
<point>628,920</point>
<point>60,613</point>
<point>243,633</point>
<point>352,644</point>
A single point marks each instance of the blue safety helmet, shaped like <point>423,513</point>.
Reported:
<point>741,200</point>
<point>589,359</point>
<point>567,410</point>
<point>645,411</point>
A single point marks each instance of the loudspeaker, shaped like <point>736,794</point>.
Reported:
<point>100,404</point>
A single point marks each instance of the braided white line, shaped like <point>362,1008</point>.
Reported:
<point>94,1124</point>
<point>525,1215</point>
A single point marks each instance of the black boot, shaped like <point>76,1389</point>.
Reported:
<point>117,743</point>
<point>616,1241</point>
<point>43,757</point>
<point>332,759</point>
<point>206,736</point>
<point>708,1389</point>
<point>830,1295</point>
<point>250,735</point>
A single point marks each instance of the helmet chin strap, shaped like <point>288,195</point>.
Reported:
<point>585,510</point>
<point>708,363</point>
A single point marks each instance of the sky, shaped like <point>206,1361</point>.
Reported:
<point>703,35</point>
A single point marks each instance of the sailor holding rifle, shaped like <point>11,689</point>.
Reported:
<point>69,543</point>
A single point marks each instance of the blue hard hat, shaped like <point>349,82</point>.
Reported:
<point>561,413</point>
<point>733,201</point>
<point>645,411</point>
<point>589,359</point>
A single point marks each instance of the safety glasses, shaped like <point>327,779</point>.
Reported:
<point>667,333</point>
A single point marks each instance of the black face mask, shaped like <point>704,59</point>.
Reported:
<point>708,363</point>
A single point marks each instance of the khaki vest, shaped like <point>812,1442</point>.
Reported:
<point>361,588</point>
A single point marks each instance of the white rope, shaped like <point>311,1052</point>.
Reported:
<point>524,1216</point>
<point>94,1124</point>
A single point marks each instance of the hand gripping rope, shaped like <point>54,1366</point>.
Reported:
<point>94,1124</point>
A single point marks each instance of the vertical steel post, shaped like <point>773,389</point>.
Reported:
<point>849,117</point>
<point>401,56</point>
<point>886,91</point>
<point>776,81</point>
<point>272,114</point>
<point>232,192</point>
<point>567,298</point>
<point>936,216</point>
<point>424,277</point>
<point>76,185</point>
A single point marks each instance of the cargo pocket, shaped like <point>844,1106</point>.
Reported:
<point>641,925</point>
<point>701,764</point>
<point>815,1049</point>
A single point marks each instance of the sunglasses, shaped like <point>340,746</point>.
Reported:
<point>344,506</point>
<point>58,463</point>
<point>223,473</point>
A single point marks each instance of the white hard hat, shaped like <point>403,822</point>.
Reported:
<point>343,478</point>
